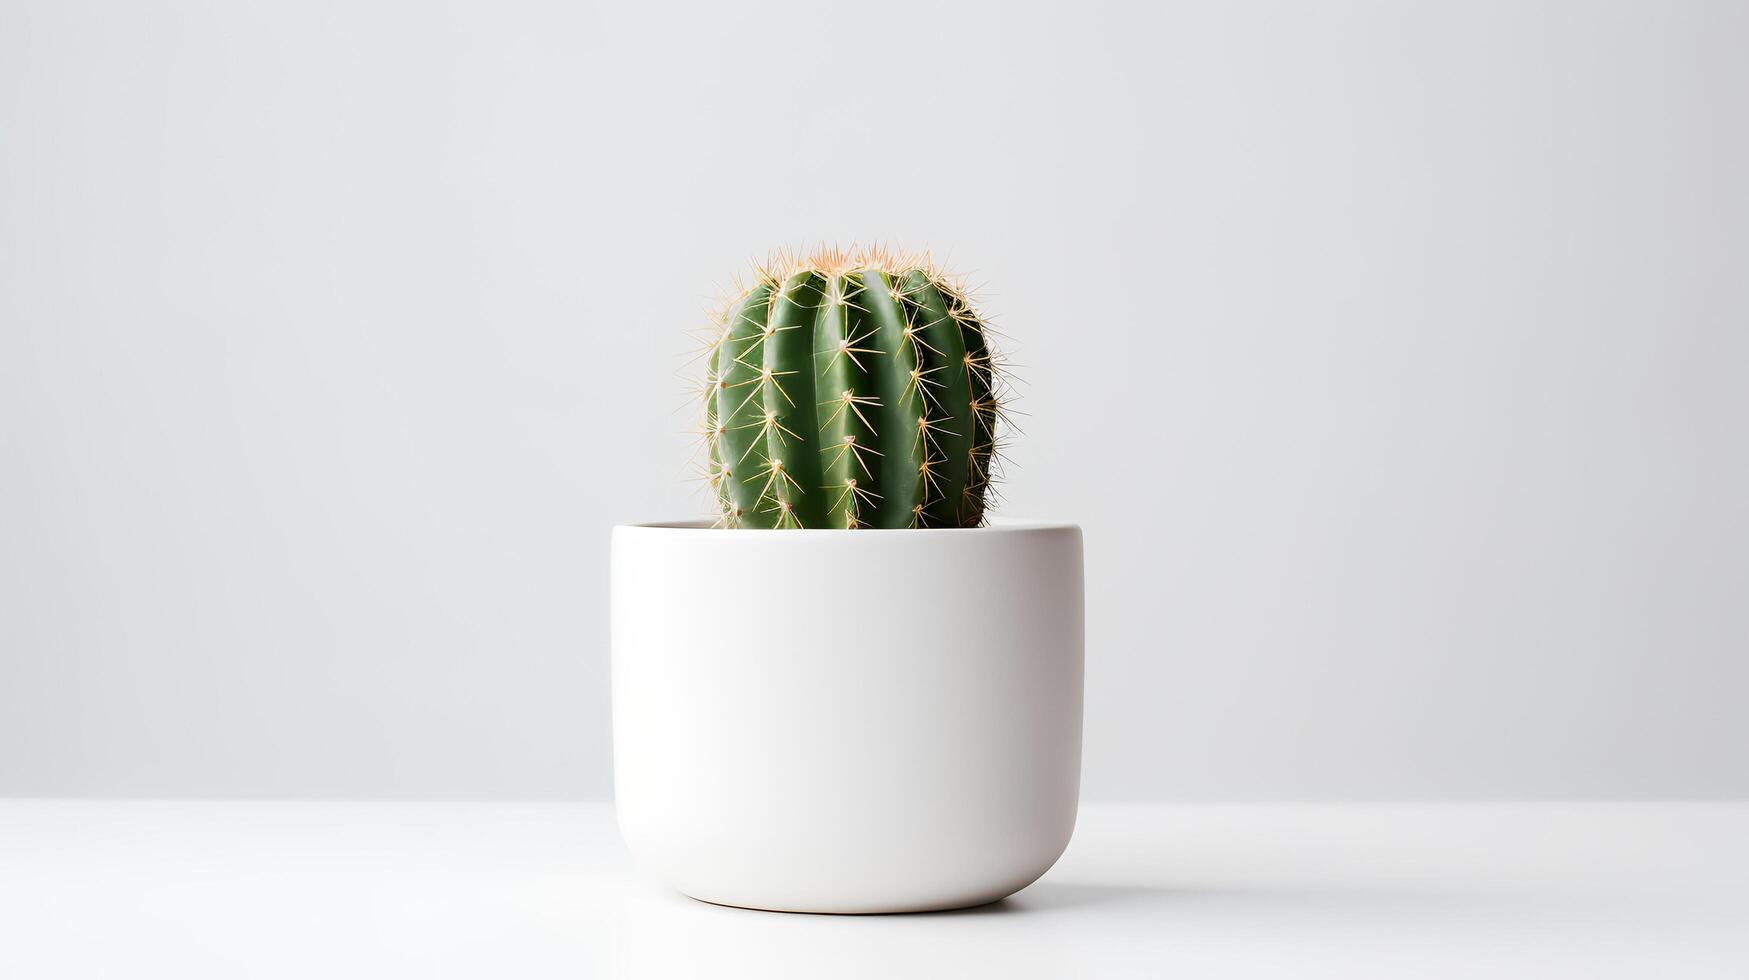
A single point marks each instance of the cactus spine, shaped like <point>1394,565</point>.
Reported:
<point>851,389</point>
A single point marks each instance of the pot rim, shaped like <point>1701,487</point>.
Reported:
<point>997,526</point>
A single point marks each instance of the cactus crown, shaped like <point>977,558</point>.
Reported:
<point>851,388</point>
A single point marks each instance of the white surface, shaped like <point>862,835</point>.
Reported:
<point>825,721</point>
<point>1392,355</point>
<point>193,890</point>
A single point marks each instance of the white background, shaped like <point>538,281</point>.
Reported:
<point>1395,358</point>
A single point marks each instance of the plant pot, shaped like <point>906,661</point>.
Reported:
<point>847,721</point>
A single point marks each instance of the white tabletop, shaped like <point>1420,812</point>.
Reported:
<point>272,889</point>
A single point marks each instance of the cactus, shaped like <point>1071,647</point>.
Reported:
<point>851,389</point>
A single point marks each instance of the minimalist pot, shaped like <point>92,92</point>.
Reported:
<point>847,721</point>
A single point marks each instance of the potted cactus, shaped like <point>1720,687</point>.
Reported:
<point>849,692</point>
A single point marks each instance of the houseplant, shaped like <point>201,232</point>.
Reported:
<point>849,693</point>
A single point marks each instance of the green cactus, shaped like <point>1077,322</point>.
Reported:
<point>851,389</point>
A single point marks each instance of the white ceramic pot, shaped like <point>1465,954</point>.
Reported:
<point>847,721</point>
